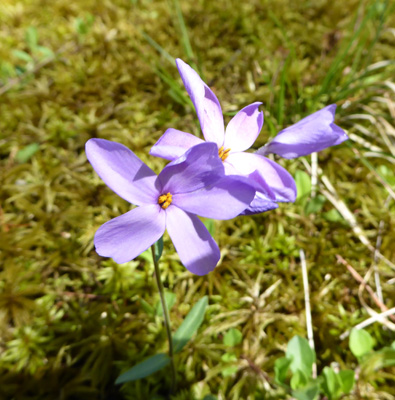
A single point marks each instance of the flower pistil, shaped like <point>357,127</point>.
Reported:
<point>165,200</point>
<point>223,154</point>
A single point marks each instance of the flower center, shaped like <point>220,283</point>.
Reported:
<point>165,200</point>
<point>223,154</point>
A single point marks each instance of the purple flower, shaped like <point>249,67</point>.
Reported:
<point>314,133</point>
<point>192,184</point>
<point>271,181</point>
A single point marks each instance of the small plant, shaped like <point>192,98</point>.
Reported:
<point>34,54</point>
<point>301,382</point>
<point>294,372</point>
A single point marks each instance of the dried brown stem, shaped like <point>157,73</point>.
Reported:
<point>364,284</point>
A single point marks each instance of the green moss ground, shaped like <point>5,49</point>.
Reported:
<point>71,321</point>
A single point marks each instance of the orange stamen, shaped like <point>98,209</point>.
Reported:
<point>223,154</point>
<point>165,200</point>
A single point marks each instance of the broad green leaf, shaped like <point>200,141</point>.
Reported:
<point>281,367</point>
<point>347,379</point>
<point>315,205</point>
<point>22,55</point>
<point>331,384</point>
<point>303,184</point>
<point>360,342</point>
<point>145,368</point>
<point>25,154</point>
<point>299,380</point>
<point>170,300</point>
<point>233,337</point>
<point>190,324</point>
<point>158,246</point>
<point>210,397</point>
<point>308,393</point>
<point>302,356</point>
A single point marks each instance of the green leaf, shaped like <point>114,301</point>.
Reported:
<point>190,325</point>
<point>170,300</point>
<point>347,379</point>
<point>303,184</point>
<point>210,397</point>
<point>184,31</point>
<point>315,205</point>
<point>25,154</point>
<point>31,38</point>
<point>46,52</point>
<point>333,216</point>
<point>299,380</point>
<point>147,307</point>
<point>233,337</point>
<point>145,368</point>
<point>158,246</point>
<point>302,356</point>
<point>360,342</point>
<point>229,357</point>
<point>83,25</point>
<point>281,367</point>
<point>228,371</point>
<point>309,393</point>
<point>331,384</point>
<point>376,360</point>
<point>22,55</point>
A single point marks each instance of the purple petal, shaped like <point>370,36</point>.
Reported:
<point>125,237</point>
<point>199,167</point>
<point>122,171</point>
<point>196,248</point>
<point>226,199</point>
<point>173,144</point>
<point>313,133</point>
<point>280,182</point>
<point>244,128</point>
<point>206,104</point>
<point>254,179</point>
<point>260,204</point>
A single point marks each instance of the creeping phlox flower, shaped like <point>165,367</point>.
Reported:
<point>272,182</point>
<point>192,184</point>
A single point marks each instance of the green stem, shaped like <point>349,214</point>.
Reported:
<point>167,319</point>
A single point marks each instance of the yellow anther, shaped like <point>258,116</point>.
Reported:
<point>165,200</point>
<point>223,154</point>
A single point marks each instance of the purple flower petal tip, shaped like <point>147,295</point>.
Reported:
<point>173,144</point>
<point>206,103</point>
<point>244,128</point>
<point>121,170</point>
<point>125,237</point>
<point>195,246</point>
<point>314,133</point>
<point>259,205</point>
